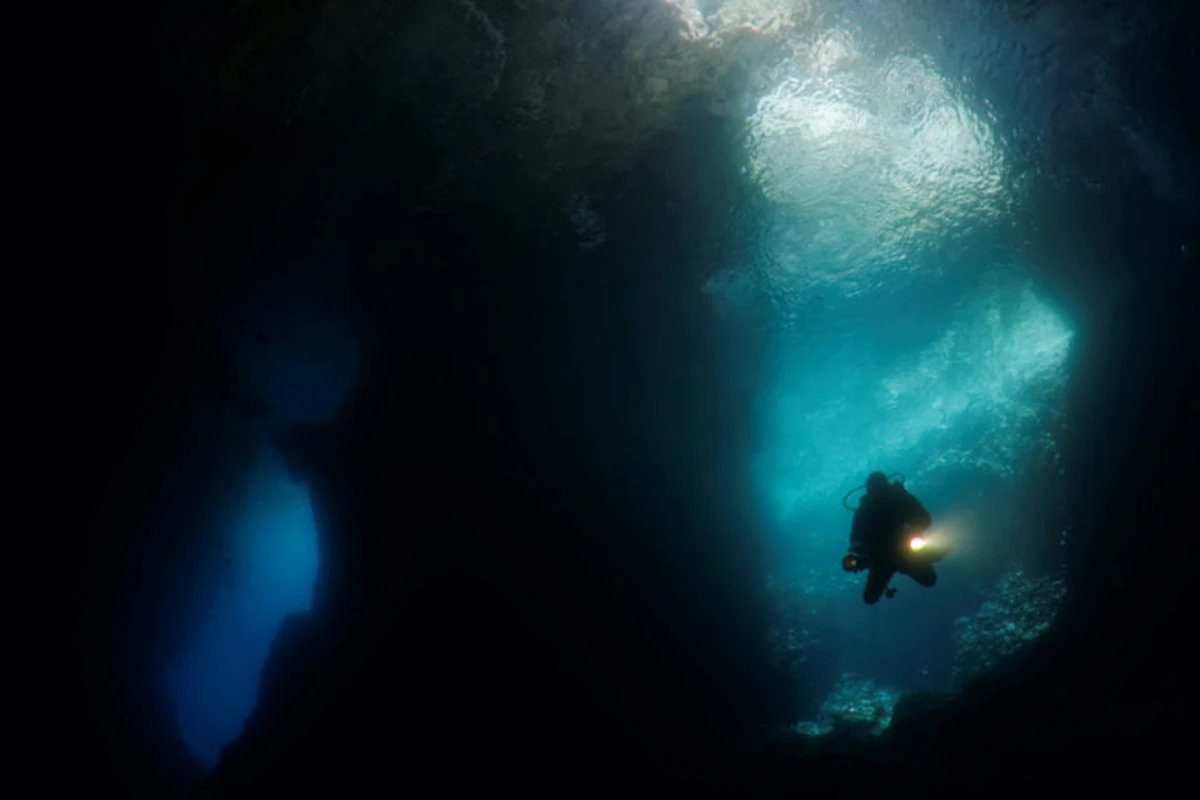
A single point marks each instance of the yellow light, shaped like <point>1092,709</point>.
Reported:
<point>916,543</point>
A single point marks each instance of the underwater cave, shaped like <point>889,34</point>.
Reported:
<point>501,411</point>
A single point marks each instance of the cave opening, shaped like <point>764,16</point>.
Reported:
<point>267,564</point>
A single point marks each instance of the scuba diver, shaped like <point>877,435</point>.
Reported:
<point>885,538</point>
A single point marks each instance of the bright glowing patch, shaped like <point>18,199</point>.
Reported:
<point>295,355</point>
<point>874,160</point>
<point>214,685</point>
<point>916,543</point>
<point>968,397</point>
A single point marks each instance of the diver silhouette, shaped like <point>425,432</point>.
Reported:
<point>884,538</point>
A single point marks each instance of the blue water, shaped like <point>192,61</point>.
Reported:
<point>910,334</point>
<point>263,560</point>
<point>275,560</point>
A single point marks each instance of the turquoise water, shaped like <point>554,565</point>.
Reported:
<point>909,332</point>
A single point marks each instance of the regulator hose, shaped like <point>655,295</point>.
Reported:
<point>846,497</point>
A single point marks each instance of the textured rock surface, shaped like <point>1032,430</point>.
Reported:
<point>1018,611</point>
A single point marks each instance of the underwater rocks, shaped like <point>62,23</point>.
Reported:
<point>789,647</point>
<point>855,706</point>
<point>793,606</point>
<point>1019,610</point>
<point>452,104</point>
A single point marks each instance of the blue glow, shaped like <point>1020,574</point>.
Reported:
<point>273,561</point>
<point>962,390</point>
<point>909,335</point>
<point>305,367</point>
<point>955,398</point>
<point>263,559</point>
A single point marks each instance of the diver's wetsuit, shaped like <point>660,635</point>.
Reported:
<point>877,537</point>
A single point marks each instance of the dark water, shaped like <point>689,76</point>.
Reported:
<point>514,359</point>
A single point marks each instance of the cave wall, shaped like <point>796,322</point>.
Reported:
<point>497,571</point>
<point>538,532</point>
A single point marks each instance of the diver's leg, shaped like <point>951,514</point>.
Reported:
<point>924,575</point>
<point>877,581</point>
